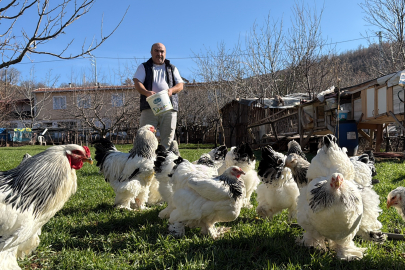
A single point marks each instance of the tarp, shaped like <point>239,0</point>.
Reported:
<point>3,135</point>
<point>22,135</point>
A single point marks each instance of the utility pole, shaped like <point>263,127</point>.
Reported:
<point>381,51</point>
<point>94,63</point>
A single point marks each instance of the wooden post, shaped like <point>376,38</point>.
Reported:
<point>307,138</point>
<point>274,130</point>
<point>366,136</point>
<point>301,128</point>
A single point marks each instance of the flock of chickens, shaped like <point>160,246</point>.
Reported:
<point>331,197</point>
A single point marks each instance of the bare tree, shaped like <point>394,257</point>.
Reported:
<point>197,115</point>
<point>388,17</point>
<point>52,19</point>
<point>308,55</point>
<point>105,109</point>
<point>26,108</point>
<point>10,75</point>
<point>264,58</point>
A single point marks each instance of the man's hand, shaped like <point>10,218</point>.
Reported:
<point>149,93</point>
<point>170,92</point>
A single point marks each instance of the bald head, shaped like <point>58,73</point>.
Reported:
<point>158,52</point>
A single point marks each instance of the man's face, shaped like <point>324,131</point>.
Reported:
<point>158,54</point>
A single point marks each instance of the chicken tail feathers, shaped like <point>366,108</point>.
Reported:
<point>161,155</point>
<point>244,152</point>
<point>103,148</point>
<point>220,152</point>
<point>328,140</point>
<point>271,165</point>
<point>206,160</point>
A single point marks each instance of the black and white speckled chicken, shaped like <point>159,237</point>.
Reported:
<point>331,208</point>
<point>278,189</point>
<point>332,159</point>
<point>129,174</point>
<point>242,156</point>
<point>295,147</point>
<point>31,194</point>
<point>297,162</point>
<point>299,168</point>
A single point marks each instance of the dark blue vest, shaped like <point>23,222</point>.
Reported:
<point>148,65</point>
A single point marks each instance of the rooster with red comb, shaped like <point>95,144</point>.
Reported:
<point>31,194</point>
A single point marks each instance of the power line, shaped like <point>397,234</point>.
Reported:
<point>174,58</point>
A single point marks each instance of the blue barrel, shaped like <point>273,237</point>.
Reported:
<point>347,135</point>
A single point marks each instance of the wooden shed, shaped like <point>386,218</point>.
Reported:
<point>235,119</point>
<point>376,103</point>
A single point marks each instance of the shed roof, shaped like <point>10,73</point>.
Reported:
<point>389,79</point>
<point>272,103</point>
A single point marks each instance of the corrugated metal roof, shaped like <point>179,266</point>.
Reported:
<point>272,103</point>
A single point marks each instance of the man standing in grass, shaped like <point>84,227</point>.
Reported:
<point>151,77</point>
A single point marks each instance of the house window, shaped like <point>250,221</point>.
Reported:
<point>117,100</point>
<point>84,101</point>
<point>59,103</point>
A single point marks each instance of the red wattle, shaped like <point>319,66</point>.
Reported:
<point>75,163</point>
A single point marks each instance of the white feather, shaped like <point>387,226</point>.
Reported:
<point>281,194</point>
<point>202,201</point>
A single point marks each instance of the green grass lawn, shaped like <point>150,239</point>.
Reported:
<point>88,233</point>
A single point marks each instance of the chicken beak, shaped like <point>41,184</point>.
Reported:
<point>389,203</point>
<point>88,160</point>
<point>337,182</point>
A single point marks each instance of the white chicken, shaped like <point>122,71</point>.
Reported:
<point>204,201</point>
<point>331,208</point>
<point>129,174</point>
<point>171,169</point>
<point>31,194</point>
<point>155,195</point>
<point>243,157</point>
<point>164,164</point>
<point>278,190</point>
<point>331,159</point>
<point>396,199</point>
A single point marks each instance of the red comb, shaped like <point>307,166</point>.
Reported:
<point>88,154</point>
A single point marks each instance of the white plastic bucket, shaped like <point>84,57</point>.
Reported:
<point>160,102</point>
